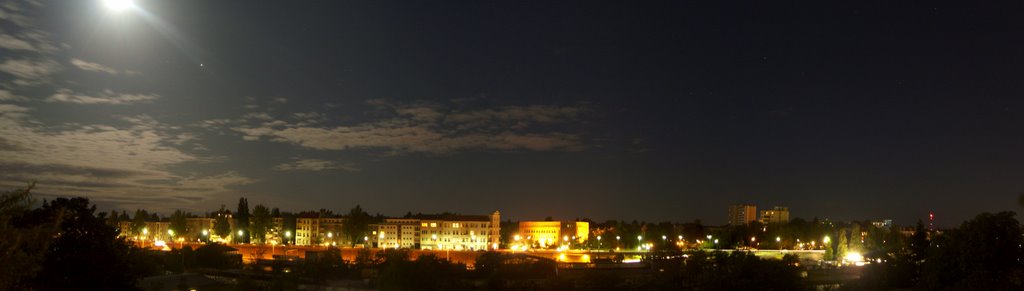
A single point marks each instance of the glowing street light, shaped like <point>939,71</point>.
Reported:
<point>170,232</point>
<point>206,232</point>
<point>826,239</point>
<point>240,233</point>
<point>145,231</point>
<point>287,234</point>
<point>778,238</point>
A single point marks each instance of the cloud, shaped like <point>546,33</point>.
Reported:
<point>93,67</point>
<point>280,100</point>
<point>8,96</point>
<point>106,97</point>
<point>128,165</point>
<point>315,165</point>
<point>10,113</point>
<point>434,129</point>
<point>30,72</point>
<point>11,42</point>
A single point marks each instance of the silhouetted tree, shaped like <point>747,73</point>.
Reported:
<point>261,222</point>
<point>84,240</point>
<point>22,248</point>
<point>243,219</point>
<point>113,219</point>
<point>221,225</point>
<point>139,221</point>
<point>356,224</point>
<point>982,254</point>
<point>179,223</point>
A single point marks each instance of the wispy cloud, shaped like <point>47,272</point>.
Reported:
<point>93,67</point>
<point>315,165</point>
<point>28,71</point>
<point>419,128</point>
<point>126,164</point>
<point>105,97</point>
<point>11,42</point>
<point>8,96</point>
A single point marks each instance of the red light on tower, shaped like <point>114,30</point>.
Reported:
<point>931,221</point>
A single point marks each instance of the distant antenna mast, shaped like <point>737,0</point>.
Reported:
<point>931,221</point>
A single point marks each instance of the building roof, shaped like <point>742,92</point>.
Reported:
<point>452,217</point>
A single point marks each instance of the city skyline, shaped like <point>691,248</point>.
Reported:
<point>653,112</point>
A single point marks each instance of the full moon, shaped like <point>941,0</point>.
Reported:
<point>118,5</point>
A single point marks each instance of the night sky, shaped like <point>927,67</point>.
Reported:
<point>666,110</point>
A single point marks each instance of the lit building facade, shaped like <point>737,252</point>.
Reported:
<point>396,233</point>
<point>459,232</point>
<point>742,214</point>
<point>777,214</point>
<point>319,231</point>
<point>549,233</point>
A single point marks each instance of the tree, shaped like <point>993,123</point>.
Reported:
<point>842,247</point>
<point>22,248</point>
<point>84,240</point>
<point>179,223</point>
<point>856,244</point>
<point>261,222</point>
<point>113,219</point>
<point>982,254</point>
<point>243,220</point>
<point>221,226</point>
<point>357,224</point>
<point>830,254</point>
<point>139,221</point>
<point>288,227</point>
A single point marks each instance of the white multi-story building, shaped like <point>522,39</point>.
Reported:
<point>460,232</point>
<point>396,233</point>
<point>319,231</point>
